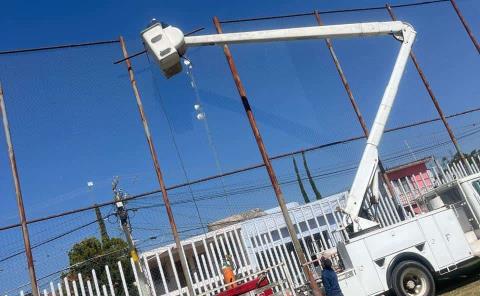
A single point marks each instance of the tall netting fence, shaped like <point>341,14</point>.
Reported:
<point>75,125</point>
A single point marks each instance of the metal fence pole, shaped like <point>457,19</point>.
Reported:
<point>432,95</point>
<point>354,104</point>
<point>18,193</point>
<point>465,25</point>
<point>158,171</point>
<point>268,164</point>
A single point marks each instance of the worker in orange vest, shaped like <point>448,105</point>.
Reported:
<point>228,269</point>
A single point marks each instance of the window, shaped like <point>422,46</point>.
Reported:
<point>331,219</point>
<point>312,224</point>
<point>275,235</point>
<point>303,226</point>
<point>321,221</point>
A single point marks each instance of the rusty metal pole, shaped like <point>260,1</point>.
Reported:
<point>434,99</point>
<point>158,171</point>
<point>18,193</point>
<point>271,173</point>
<point>329,44</point>
<point>353,102</point>
<point>465,25</point>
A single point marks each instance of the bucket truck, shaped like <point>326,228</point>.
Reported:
<point>404,257</point>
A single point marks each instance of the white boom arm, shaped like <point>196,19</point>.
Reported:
<point>367,169</point>
<point>167,44</point>
<point>317,32</point>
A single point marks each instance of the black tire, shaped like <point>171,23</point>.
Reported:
<point>411,278</point>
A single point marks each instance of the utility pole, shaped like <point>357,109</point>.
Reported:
<point>18,193</point>
<point>158,171</point>
<point>268,165</point>
<point>122,215</point>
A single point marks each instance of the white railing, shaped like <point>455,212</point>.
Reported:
<point>411,189</point>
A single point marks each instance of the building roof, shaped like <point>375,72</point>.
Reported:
<point>409,164</point>
<point>234,219</point>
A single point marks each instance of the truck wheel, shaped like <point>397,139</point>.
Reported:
<point>410,278</point>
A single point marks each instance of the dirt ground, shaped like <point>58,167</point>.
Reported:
<point>472,289</point>
<point>463,283</point>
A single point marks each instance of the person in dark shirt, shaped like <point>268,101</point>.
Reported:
<point>330,279</point>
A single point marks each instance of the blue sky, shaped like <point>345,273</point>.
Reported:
<point>73,115</point>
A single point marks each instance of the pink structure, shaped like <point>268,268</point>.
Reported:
<point>411,180</point>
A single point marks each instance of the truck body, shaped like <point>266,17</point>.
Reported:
<point>441,240</point>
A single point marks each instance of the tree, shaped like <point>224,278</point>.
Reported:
<point>101,225</point>
<point>471,157</point>
<point>300,183</point>
<point>91,253</point>
<point>318,195</point>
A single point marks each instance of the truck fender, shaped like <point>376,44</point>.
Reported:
<point>407,256</point>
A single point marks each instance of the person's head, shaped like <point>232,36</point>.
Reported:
<point>326,263</point>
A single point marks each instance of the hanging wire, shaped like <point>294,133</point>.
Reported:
<point>207,130</point>
<point>177,150</point>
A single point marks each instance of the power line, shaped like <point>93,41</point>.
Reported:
<point>322,175</point>
<point>316,176</point>
<point>241,20</point>
<point>23,50</point>
<point>50,240</point>
<point>244,169</point>
<point>337,166</point>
